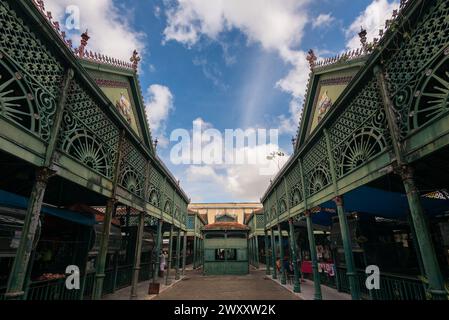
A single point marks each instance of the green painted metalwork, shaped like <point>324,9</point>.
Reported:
<point>16,279</point>
<point>28,52</point>
<point>360,132</point>
<point>157,251</point>
<point>18,273</point>
<point>437,288</point>
<point>273,254</point>
<point>281,256</point>
<point>137,256</point>
<point>257,251</point>
<point>170,256</point>
<point>32,74</point>
<point>293,250</point>
<point>178,254</point>
<point>184,253</point>
<point>347,246</point>
<point>225,252</point>
<point>267,254</point>
<point>110,208</point>
<point>313,255</point>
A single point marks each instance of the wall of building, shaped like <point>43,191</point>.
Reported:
<point>214,209</point>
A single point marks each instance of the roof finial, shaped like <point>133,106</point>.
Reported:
<point>363,39</point>
<point>135,59</point>
<point>311,58</point>
<point>84,38</point>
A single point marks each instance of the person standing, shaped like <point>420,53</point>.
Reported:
<point>163,262</point>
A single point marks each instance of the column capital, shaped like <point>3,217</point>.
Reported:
<point>339,200</point>
<point>112,201</point>
<point>43,174</point>
<point>406,172</point>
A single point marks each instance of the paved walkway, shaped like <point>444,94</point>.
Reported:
<point>142,289</point>
<point>255,286</point>
<point>308,291</point>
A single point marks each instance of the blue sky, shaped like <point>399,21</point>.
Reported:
<point>232,64</point>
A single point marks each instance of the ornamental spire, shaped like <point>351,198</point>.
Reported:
<point>363,38</point>
<point>311,58</point>
<point>135,59</point>
<point>84,39</point>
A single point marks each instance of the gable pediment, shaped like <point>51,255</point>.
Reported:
<point>325,87</point>
<point>122,89</point>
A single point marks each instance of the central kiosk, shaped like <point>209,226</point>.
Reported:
<point>225,247</point>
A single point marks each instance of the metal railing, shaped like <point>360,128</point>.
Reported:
<point>51,290</point>
<point>146,270</point>
<point>124,276</point>
<point>392,287</point>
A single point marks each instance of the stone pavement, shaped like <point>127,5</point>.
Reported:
<point>142,289</point>
<point>255,286</point>
<point>308,290</point>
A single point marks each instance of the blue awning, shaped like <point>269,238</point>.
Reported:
<point>379,203</point>
<point>8,199</point>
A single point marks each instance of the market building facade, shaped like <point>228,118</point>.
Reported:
<point>367,183</point>
<point>81,183</point>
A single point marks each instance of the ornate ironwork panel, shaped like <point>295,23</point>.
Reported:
<point>88,135</point>
<point>295,188</point>
<point>259,221</point>
<point>155,185</point>
<point>360,133</point>
<point>190,222</point>
<point>24,101</point>
<point>132,170</point>
<point>19,42</point>
<point>316,168</point>
<point>417,69</point>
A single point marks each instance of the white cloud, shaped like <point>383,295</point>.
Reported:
<point>231,178</point>
<point>109,26</point>
<point>288,125</point>
<point>276,26</point>
<point>158,105</point>
<point>323,20</point>
<point>242,182</point>
<point>372,19</point>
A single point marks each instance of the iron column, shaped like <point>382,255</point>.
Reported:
<point>267,256</point>
<point>281,255</point>
<point>158,250</point>
<point>436,282</point>
<point>432,269</point>
<point>170,257</point>
<point>313,255</point>
<point>178,254</point>
<point>20,264</point>
<point>347,246</point>
<point>139,240</point>
<point>17,276</point>
<point>184,253</point>
<point>296,284</point>
<point>257,250</point>
<point>273,254</point>
<point>110,210</point>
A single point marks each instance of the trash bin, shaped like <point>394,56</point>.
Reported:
<point>154,288</point>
